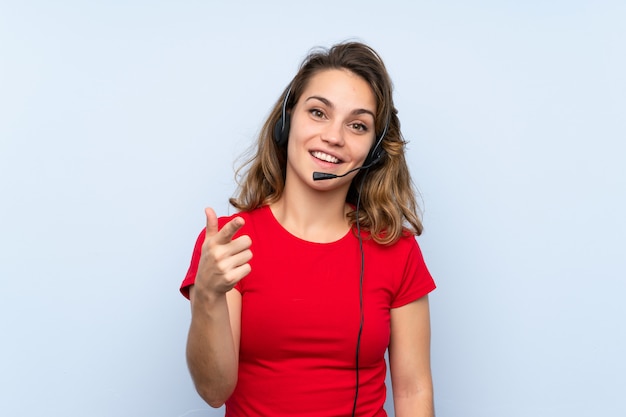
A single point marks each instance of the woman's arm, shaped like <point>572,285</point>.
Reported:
<point>409,360</point>
<point>214,333</point>
<point>213,345</point>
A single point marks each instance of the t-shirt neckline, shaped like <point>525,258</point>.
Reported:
<point>287,234</point>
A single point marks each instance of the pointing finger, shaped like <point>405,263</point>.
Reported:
<point>229,229</point>
<point>211,222</point>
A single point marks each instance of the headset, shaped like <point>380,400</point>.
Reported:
<point>283,124</point>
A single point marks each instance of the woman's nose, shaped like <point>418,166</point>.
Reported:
<point>333,133</point>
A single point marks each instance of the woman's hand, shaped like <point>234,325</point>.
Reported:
<point>223,261</point>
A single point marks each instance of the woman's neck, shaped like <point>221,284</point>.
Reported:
<point>315,216</point>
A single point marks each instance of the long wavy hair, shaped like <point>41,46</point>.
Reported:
<point>388,207</point>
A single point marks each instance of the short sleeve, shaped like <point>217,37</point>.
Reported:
<point>416,280</point>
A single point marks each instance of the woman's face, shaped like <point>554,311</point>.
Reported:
<point>332,128</point>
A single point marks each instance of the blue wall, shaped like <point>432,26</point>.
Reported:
<point>120,121</point>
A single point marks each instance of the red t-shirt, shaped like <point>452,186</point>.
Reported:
<point>300,319</point>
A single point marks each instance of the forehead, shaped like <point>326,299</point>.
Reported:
<point>342,88</point>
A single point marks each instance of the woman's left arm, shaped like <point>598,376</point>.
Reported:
<point>409,360</point>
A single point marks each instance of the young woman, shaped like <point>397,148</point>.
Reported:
<point>297,297</point>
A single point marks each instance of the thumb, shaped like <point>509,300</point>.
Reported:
<point>211,222</point>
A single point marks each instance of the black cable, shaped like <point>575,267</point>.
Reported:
<point>362,314</point>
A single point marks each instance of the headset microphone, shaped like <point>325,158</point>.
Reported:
<point>318,176</point>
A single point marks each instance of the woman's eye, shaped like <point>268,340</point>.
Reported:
<point>359,127</point>
<point>317,113</point>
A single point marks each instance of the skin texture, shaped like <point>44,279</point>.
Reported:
<point>332,130</point>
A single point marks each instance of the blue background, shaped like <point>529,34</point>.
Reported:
<point>121,120</point>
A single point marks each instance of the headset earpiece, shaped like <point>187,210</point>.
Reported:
<point>377,153</point>
<point>281,130</point>
<point>375,156</point>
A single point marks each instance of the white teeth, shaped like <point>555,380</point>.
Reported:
<point>325,157</point>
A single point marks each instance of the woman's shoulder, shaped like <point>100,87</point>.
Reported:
<point>406,239</point>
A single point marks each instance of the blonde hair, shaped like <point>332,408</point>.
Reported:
<point>388,207</point>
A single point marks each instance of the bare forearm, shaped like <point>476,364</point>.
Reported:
<point>409,360</point>
<point>414,405</point>
<point>211,353</point>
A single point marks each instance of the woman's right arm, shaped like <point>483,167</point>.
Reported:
<point>213,340</point>
<point>213,344</point>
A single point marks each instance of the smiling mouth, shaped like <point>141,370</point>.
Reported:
<point>325,157</point>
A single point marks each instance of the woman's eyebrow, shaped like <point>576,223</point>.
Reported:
<point>332,106</point>
<point>323,100</point>
<point>364,111</point>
